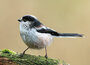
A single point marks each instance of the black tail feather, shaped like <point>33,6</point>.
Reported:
<point>70,35</point>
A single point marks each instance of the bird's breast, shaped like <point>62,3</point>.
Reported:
<point>34,39</point>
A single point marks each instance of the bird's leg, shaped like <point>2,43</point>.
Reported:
<point>21,55</point>
<point>25,50</point>
<point>46,53</point>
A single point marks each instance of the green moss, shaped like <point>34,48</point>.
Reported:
<point>8,52</point>
<point>30,59</point>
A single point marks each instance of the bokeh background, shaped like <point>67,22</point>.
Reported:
<point>71,16</point>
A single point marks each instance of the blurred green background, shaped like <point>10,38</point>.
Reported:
<point>71,16</point>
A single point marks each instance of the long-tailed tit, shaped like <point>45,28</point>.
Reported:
<point>37,36</point>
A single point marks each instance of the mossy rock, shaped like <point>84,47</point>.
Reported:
<point>29,59</point>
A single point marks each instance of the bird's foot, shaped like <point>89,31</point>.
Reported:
<point>46,56</point>
<point>21,55</point>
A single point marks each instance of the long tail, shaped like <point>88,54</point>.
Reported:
<point>70,35</point>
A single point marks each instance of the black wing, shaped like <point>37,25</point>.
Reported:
<point>54,33</point>
<point>48,31</point>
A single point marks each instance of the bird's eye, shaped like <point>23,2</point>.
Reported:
<point>24,20</point>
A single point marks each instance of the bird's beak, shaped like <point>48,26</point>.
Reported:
<point>19,20</point>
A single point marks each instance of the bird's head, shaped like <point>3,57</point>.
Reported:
<point>29,20</point>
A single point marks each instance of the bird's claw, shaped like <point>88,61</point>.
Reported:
<point>21,55</point>
<point>46,56</point>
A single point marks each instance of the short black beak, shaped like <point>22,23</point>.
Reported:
<point>19,20</point>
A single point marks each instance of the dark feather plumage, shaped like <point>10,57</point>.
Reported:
<point>49,31</point>
<point>54,33</point>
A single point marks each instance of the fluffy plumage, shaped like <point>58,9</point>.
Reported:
<point>37,36</point>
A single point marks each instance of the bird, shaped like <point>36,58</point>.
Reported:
<point>36,35</point>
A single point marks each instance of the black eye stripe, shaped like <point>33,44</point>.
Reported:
<point>24,20</point>
<point>28,18</point>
